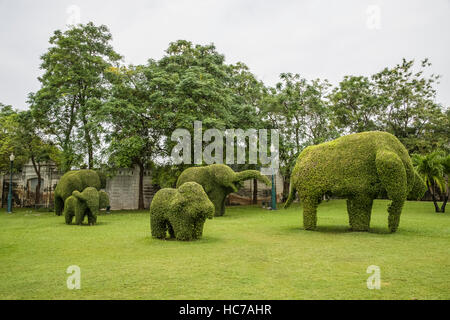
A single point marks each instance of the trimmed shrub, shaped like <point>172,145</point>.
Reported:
<point>86,203</point>
<point>358,167</point>
<point>218,181</point>
<point>74,180</point>
<point>104,200</point>
<point>180,212</point>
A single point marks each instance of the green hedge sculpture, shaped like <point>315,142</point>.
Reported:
<point>181,212</point>
<point>87,203</point>
<point>358,167</point>
<point>76,180</point>
<point>218,181</point>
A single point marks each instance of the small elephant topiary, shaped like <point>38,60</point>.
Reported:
<point>218,181</point>
<point>181,212</point>
<point>359,167</point>
<point>76,180</point>
<point>87,203</point>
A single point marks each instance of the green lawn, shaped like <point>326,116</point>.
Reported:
<point>250,253</point>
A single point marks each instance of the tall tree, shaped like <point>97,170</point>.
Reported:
<point>8,145</point>
<point>355,105</point>
<point>300,109</point>
<point>34,147</point>
<point>407,103</point>
<point>73,88</point>
<point>133,126</point>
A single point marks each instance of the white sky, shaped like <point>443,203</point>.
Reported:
<point>318,39</point>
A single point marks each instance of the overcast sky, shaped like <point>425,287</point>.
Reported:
<point>317,39</point>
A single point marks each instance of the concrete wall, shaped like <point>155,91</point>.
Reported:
<point>123,189</point>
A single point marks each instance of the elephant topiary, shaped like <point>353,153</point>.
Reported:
<point>86,203</point>
<point>182,212</point>
<point>76,180</point>
<point>359,167</point>
<point>218,181</point>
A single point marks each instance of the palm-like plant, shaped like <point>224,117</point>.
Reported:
<point>431,168</point>
<point>446,166</point>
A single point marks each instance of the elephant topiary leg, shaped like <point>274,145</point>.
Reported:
<point>359,210</point>
<point>310,212</point>
<point>171,232</point>
<point>158,226</point>
<point>198,229</point>
<point>392,174</point>
<point>218,197</point>
<point>68,215</point>
<point>59,205</point>
<point>92,218</point>
<point>80,212</point>
<point>183,230</point>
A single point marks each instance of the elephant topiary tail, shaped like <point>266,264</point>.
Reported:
<point>291,197</point>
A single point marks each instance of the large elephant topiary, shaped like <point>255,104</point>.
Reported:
<point>358,167</point>
<point>87,203</point>
<point>218,181</point>
<point>76,180</point>
<point>181,212</point>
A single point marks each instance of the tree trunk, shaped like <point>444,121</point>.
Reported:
<point>443,204</point>
<point>436,206</point>
<point>141,187</point>
<point>446,193</point>
<point>255,191</point>
<point>286,186</point>
<point>87,137</point>
<point>37,170</point>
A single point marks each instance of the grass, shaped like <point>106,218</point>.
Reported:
<point>250,253</point>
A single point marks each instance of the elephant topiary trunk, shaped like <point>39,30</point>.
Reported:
<point>359,167</point>
<point>218,181</point>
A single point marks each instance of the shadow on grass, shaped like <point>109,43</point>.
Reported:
<point>336,230</point>
<point>204,240</point>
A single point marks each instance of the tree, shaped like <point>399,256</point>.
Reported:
<point>73,88</point>
<point>8,145</point>
<point>34,146</point>
<point>445,161</point>
<point>355,105</point>
<point>133,126</point>
<point>407,104</point>
<point>431,168</point>
<point>299,108</point>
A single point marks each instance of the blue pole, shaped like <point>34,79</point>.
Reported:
<point>274,194</point>
<point>10,189</point>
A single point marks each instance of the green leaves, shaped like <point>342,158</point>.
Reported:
<point>73,89</point>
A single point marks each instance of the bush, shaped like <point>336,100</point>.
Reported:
<point>358,167</point>
<point>181,212</point>
<point>85,204</point>
<point>74,180</point>
<point>218,181</point>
